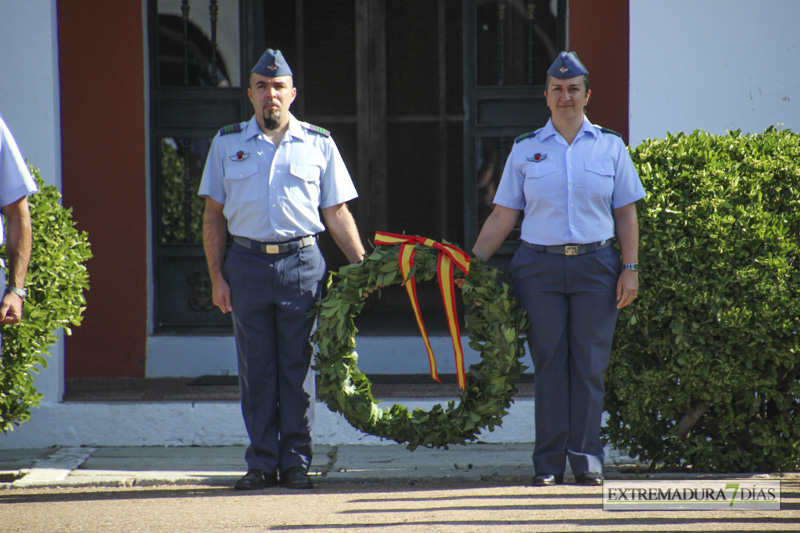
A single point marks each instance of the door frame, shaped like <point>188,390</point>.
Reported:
<point>496,111</point>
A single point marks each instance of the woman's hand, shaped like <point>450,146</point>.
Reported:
<point>627,288</point>
<point>366,294</point>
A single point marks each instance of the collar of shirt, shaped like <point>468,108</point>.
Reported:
<point>295,129</point>
<point>549,130</point>
<point>251,129</point>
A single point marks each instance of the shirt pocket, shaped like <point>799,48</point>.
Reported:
<point>540,181</point>
<point>600,177</point>
<point>539,170</point>
<point>307,173</point>
<point>241,181</point>
<point>304,185</point>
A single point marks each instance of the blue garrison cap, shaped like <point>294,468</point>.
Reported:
<point>272,64</point>
<point>567,65</point>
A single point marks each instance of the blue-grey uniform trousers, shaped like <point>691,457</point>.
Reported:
<point>571,306</point>
<point>271,295</point>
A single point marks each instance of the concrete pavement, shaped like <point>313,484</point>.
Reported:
<point>222,465</point>
<point>128,466</point>
<point>479,487</point>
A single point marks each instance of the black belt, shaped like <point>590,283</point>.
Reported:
<point>276,247</point>
<point>571,249</point>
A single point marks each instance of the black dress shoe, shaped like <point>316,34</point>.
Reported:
<point>589,478</point>
<point>256,479</point>
<point>296,478</point>
<point>547,480</point>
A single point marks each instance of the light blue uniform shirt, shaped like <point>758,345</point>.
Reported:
<point>274,193</point>
<point>15,178</point>
<point>567,192</point>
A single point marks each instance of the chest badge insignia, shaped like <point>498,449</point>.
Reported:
<point>240,156</point>
<point>537,158</point>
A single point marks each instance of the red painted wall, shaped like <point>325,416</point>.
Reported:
<point>102,70</point>
<point>600,33</point>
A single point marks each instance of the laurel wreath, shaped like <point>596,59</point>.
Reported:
<point>496,328</point>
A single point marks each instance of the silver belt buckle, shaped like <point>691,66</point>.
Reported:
<point>272,248</point>
<point>570,250</point>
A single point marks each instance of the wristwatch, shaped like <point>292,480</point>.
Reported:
<point>631,266</point>
<point>22,293</point>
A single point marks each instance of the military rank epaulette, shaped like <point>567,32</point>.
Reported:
<point>524,136</point>
<point>231,128</point>
<point>612,132</point>
<point>316,129</point>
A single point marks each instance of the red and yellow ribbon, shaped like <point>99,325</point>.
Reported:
<point>449,256</point>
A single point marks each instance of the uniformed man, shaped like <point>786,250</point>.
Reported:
<point>576,187</point>
<point>16,184</point>
<point>265,182</point>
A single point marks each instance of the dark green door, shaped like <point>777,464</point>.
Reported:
<point>198,64</point>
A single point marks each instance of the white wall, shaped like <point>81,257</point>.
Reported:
<point>29,91</point>
<point>30,105</point>
<point>169,356</point>
<point>713,65</point>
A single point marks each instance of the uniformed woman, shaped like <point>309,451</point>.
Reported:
<point>576,188</point>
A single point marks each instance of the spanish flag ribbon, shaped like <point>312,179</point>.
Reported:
<point>449,256</point>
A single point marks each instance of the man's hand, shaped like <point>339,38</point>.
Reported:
<point>222,295</point>
<point>215,231</point>
<point>11,309</point>
<point>18,246</point>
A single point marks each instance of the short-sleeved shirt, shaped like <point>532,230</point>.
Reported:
<point>274,193</point>
<point>567,192</point>
<point>15,178</point>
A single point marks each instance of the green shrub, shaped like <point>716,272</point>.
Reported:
<point>55,282</point>
<point>705,373</point>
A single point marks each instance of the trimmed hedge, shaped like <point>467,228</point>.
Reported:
<point>705,373</point>
<point>56,279</point>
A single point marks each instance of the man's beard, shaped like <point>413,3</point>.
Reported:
<point>272,119</point>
